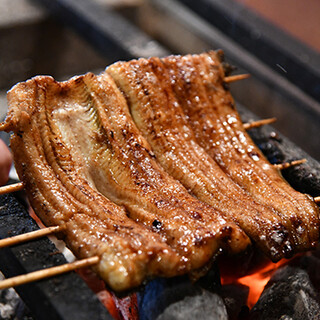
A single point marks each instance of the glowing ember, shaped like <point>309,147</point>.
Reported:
<point>256,281</point>
<point>120,308</point>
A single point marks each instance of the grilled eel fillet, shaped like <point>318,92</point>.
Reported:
<point>197,82</point>
<point>75,141</point>
<point>158,114</point>
<point>62,193</point>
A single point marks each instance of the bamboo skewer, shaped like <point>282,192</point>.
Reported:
<point>11,188</point>
<point>285,165</point>
<point>47,273</point>
<point>29,236</point>
<point>236,77</point>
<point>258,123</point>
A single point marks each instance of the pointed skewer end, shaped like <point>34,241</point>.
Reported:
<point>258,123</point>
<point>285,165</point>
<point>11,188</point>
<point>236,77</point>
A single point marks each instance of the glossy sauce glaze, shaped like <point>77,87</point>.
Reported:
<point>60,193</point>
<point>211,113</point>
<point>148,85</point>
<point>79,142</point>
<point>86,166</point>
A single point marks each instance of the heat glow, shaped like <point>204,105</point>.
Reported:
<point>256,281</point>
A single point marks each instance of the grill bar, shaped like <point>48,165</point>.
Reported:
<point>114,36</point>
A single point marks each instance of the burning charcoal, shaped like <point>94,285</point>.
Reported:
<point>288,295</point>
<point>203,306</point>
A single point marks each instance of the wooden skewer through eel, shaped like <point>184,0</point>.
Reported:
<point>12,188</point>
<point>47,273</point>
<point>29,236</point>
<point>285,165</point>
<point>236,77</point>
<point>258,123</point>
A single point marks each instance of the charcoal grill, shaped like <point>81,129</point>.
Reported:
<point>205,24</point>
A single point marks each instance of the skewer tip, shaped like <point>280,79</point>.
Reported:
<point>289,164</point>
<point>11,188</point>
<point>258,123</point>
<point>236,77</point>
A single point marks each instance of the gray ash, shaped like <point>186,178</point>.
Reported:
<point>11,305</point>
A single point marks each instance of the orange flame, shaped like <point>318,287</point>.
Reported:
<point>256,281</point>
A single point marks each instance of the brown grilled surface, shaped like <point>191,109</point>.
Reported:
<point>123,169</point>
<point>60,194</point>
<point>147,84</point>
<point>86,166</point>
<point>77,139</point>
<point>198,84</point>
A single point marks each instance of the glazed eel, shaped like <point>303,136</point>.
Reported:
<point>62,192</point>
<point>198,84</point>
<point>78,152</point>
<point>158,91</point>
<point>147,85</point>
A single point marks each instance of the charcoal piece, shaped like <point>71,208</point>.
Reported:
<point>288,295</point>
<point>311,264</point>
<point>203,306</point>
<point>158,294</point>
<point>235,299</point>
<point>8,303</point>
<point>277,148</point>
<point>304,179</point>
<point>268,145</point>
<point>11,305</point>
